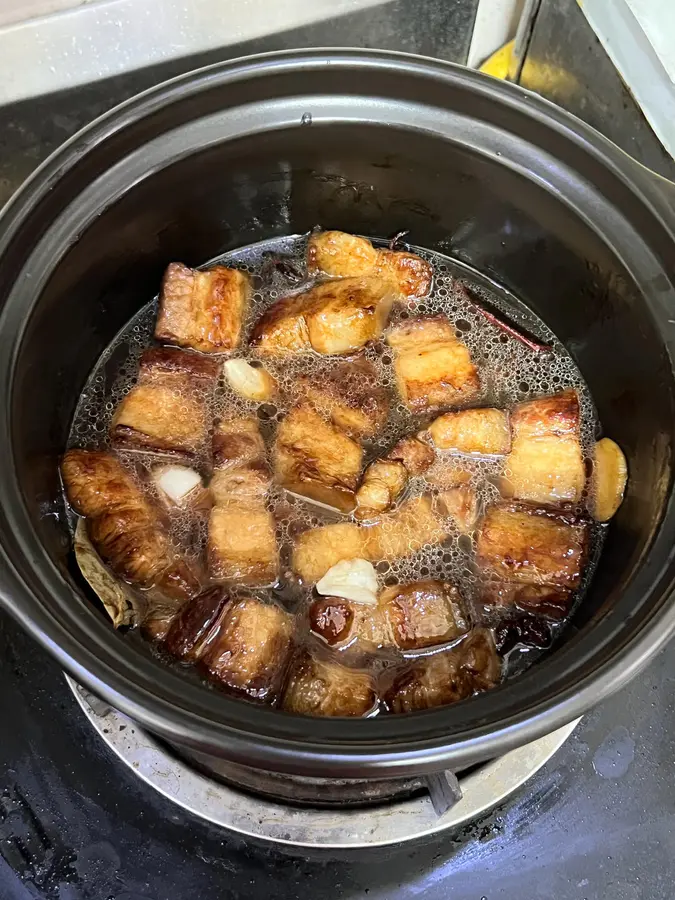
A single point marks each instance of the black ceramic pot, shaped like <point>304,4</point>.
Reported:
<point>371,143</point>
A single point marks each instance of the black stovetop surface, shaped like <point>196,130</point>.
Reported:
<point>75,824</point>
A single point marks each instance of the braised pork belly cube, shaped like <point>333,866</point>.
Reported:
<point>249,650</point>
<point>129,534</point>
<point>460,504</point>
<point>240,468</point>
<point>416,455</point>
<point>408,617</point>
<point>317,550</point>
<point>423,614</point>
<point>483,432</point>
<point>340,622</point>
<point>242,545</point>
<point>349,396</point>
<point>202,310</point>
<point>382,483</point>
<point>191,628</point>
<point>531,546</point>
<point>341,255</point>
<point>319,687</point>
<point>125,527</point>
<point>395,535</point>
<point>546,464</point>
<point>446,677</point>
<point>547,600</point>
<point>433,368</point>
<point>167,410</point>
<point>399,534</point>
<point>384,479</point>
<point>315,459</point>
<point>336,317</point>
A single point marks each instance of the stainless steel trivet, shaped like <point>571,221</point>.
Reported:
<point>268,820</point>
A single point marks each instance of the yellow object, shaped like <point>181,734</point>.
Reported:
<point>497,64</point>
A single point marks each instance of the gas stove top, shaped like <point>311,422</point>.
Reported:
<point>78,823</point>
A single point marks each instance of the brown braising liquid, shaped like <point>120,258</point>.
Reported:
<point>510,373</point>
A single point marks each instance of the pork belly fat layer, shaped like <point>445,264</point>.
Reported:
<point>203,310</point>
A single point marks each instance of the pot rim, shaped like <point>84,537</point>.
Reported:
<point>267,738</point>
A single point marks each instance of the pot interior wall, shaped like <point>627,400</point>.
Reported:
<point>512,224</point>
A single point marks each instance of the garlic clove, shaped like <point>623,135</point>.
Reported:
<point>248,381</point>
<point>352,579</point>
<point>177,483</point>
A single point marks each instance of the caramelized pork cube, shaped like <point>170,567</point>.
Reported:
<point>242,544</point>
<point>531,546</point>
<point>248,653</point>
<point>470,667</point>
<point>320,688</point>
<point>461,504</point>
<point>202,310</point>
<point>433,368</point>
<point>335,317</point>
<point>315,459</point>
<point>423,614</point>
<point>415,455</point>
<point>385,479</point>
<point>340,622</point>
<point>484,432</point>
<point>190,629</point>
<point>610,473</point>
<point>241,471</point>
<point>319,549</point>
<point>349,396</point>
<point>545,464</point>
<point>341,255</point>
<point>544,599</point>
<point>167,411</point>
<point>124,526</point>
<point>406,530</point>
<point>382,483</point>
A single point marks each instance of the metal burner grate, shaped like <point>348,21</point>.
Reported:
<point>263,818</point>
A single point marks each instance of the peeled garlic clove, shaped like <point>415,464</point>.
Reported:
<point>177,484</point>
<point>352,579</point>
<point>249,382</point>
<point>610,472</point>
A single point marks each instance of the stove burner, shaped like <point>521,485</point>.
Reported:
<point>256,816</point>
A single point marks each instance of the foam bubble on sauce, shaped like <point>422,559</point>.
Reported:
<point>510,373</point>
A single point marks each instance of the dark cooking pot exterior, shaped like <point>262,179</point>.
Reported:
<point>372,143</point>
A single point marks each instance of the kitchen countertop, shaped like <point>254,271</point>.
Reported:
<point>597,822</point>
